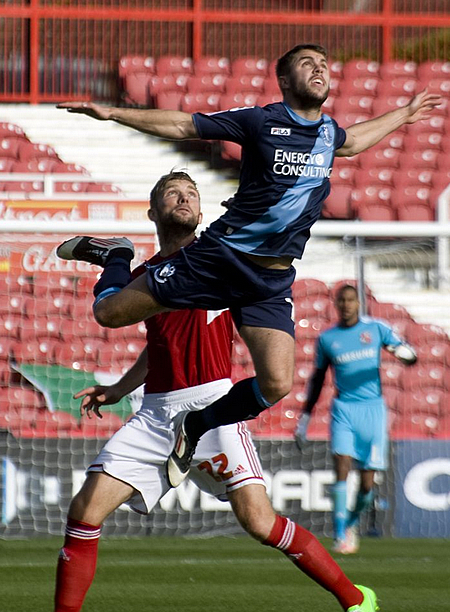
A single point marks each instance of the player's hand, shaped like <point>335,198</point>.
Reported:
<point>302,429</point>
<point>96,397</point>
<point>96,111</point>
<point>422,105</point>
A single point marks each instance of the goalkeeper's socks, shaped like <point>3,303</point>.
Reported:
<point>116,274</point>
<point>340,513</point>
<point>308,554</point>
<point>76,565</point>
<point>243,401</point>
<point>363,501</point>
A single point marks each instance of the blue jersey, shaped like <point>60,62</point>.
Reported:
<point>285,171</point>
<point>354,354</point>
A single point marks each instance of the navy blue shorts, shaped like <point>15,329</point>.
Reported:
<point>211,276</point>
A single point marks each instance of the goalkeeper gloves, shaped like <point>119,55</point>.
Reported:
<point>301,429</point>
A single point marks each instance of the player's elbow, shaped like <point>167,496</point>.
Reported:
<point>107,315</point>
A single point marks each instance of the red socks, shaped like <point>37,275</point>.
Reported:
<point>76,565</point>
<point>306,552</point>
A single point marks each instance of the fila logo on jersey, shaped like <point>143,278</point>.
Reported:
<point>163,273</point>
<point>280,131</point>
<point>365,338</point>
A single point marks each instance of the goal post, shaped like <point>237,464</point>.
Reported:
<point>50,347</point>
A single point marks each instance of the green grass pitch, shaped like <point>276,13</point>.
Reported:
<point>165,574</point>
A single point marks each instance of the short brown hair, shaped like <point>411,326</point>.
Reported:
<point>285,61</point>
<point>166,178</point>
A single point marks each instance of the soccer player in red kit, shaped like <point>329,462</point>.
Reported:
<point>186,366</point>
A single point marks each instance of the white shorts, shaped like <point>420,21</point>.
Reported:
<point>225,458</point>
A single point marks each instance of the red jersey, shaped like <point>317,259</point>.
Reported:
<point>186,348</point>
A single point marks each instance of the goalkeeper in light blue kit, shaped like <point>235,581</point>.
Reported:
<point>358,412</point>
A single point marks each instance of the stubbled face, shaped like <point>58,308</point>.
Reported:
<point>177,207</point>
<point>309,78</point>
<point>347,306</point>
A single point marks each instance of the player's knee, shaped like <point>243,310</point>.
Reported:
<point>275,388</point>
<point>258,527</point>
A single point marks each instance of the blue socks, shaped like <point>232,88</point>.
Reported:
<point>340,509</point>
<point>363,502</point>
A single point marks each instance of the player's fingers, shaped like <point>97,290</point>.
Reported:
<point>97,411</point>
<point>87,391</point>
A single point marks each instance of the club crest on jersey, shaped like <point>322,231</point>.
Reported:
<point>326,135</point>
<point>365,338</point>
<point>162,274</point>
<point>277,131</point>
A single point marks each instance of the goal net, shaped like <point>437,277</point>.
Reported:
<point>51,347</point>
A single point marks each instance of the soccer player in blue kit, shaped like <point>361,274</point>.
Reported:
<point>358,413</point>
<point>242,261</point>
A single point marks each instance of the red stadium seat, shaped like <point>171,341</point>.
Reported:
<point>238,100</point>
<point>392,396</point>
<point>338,203</point>
<point>303,372</point>
<point>336,69</point>
<point>68,168</point>
<point>168,100</point>
<point>435,123</point>
<point>347,119</point>
<point>308,287</point>
<point>212,64</point>
<point>380,157</point>
<point>392,374</point>
<point>413,176</point>
<point>305,351</point>
<point>415,427</point>
<point>204,102</point>
<point>360,86</point>
<point>40,327</point>
<point>427,71</point>
<point>103,188</point>
<point>7,164</point>
<point>33,150</point>
<point>379,175</point>
<point>129,64</point>
<point>250,65</point>
<point>173,64</point>
<point>45,164</point>
<point>9,147</point>
<point>207,82</point>
<point>136,88</point>
<point>15,284</point>
<point>53,284</point>
<point>6,348</point>
<point>10,326</point>
<point>168,82</point>
<point>375,194</point>
<point>388,311</point>
<point>271,86</point>
<point>427,375</point>
<point>420,158</point>
<point>375,212</point>
<point>398,68</point>
<point>23,186</point>
<point>83,329</point>
<point>310,328</point>
<point>21,398</point>
<point>70,187</point>
<point>360,68</point>
<point>353,104</point>
<point>34,351</point>
<point>415,212</point>
<point>316,307</point>
<point>411,195</point>
<point>243,83</point>
<point>390,102</point>
<point>343,175</point>
<point>434,352</point>
<point>319,427</point>
<point>425,140</point>
<point>8,130</point>
<point>102,428</point>
<point>131,333</point>
<point>398,86</point>
<point>418,333</point>
<point>265,99</point>
<point>14,303</point>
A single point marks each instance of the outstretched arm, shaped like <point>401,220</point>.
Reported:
<point>362,136</point>
<point>98,396</point>
<point>173,125</point>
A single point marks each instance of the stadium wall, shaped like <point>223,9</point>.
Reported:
<point>51,52</point>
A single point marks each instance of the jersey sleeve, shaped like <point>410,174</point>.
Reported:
<point>322,360</point>
<point>235,125</point>
<point>388,335</point>
<point>340,136</point>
